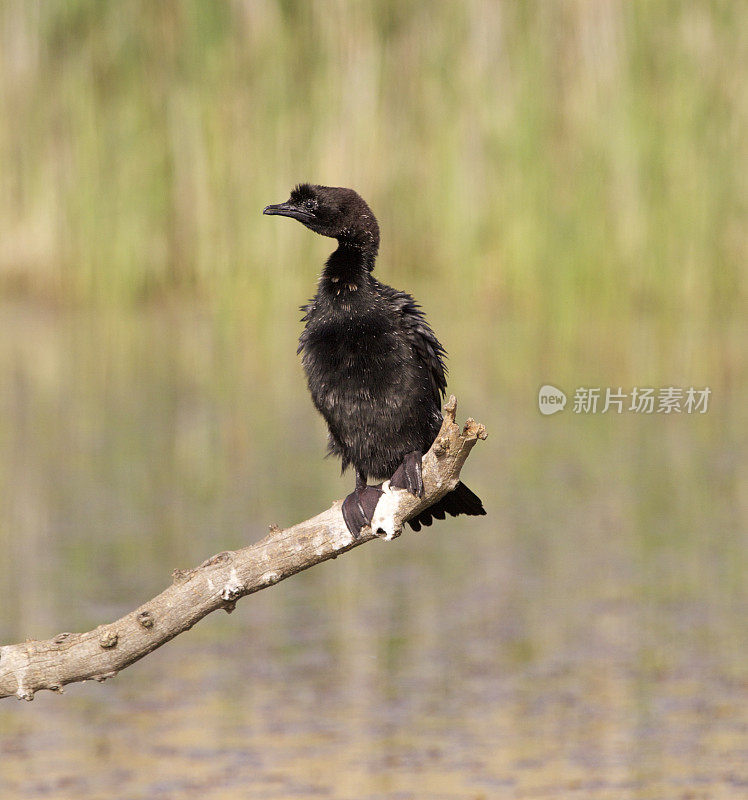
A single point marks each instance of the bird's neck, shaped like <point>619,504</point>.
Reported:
<point>348,269</point>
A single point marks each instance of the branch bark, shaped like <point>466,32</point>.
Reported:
<point>220,581</point>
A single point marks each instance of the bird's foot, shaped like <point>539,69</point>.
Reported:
<point>358,508</point>
<point>409,475</point>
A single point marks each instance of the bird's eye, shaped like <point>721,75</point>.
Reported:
<point>310,204</point>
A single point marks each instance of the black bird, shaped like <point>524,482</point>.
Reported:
<point>375,368</point>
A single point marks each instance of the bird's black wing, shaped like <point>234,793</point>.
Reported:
<point>307,308</point>
<point>427,347</point>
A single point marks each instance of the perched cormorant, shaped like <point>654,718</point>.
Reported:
<point>374,367</point>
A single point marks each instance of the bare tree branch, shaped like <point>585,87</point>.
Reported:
<point>220,581</point>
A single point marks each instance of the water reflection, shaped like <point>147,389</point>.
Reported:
<point>584,640</point>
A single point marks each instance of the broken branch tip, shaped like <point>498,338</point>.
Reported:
<point>450,408</point>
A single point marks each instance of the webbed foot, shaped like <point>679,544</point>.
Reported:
<point>409,475</point>
<point>358,508</point>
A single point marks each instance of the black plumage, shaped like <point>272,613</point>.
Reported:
<point>374,367</point>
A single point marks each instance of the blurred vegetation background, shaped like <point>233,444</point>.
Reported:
<point>564,187</point>
<point>578,165</point>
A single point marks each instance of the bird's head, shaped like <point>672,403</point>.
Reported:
<point>332,211</point>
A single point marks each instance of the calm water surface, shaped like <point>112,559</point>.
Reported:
<point>585,640</point>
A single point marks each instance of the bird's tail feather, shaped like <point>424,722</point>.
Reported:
<point>459,501</point>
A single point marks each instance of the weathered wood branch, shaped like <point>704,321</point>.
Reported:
<point>221,580</point>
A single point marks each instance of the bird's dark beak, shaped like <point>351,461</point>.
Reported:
<point>289,210</point>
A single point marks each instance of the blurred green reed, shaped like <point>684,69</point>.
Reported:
<point>578,164</point>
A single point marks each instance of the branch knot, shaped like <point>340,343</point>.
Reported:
<point>109,639</point>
